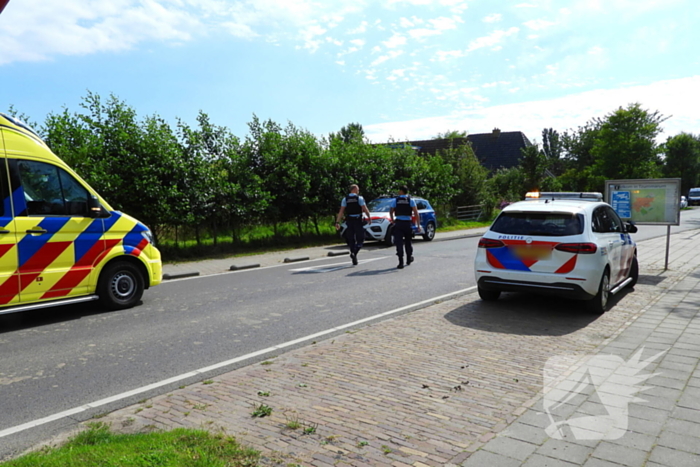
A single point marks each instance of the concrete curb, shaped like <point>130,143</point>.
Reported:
<point>235,267</point>
<point>180,275</point>
<point>338,253</point>
<point>294,260</point>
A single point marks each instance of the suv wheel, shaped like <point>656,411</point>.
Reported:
<point>489,295</point>
<point>429,232</point>
<point>599,303</point>
<point>389,238</point>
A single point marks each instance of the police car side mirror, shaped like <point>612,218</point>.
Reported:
<point>630,227</point>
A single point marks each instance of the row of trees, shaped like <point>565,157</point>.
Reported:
<point>206,178</point>
<point>622,145</point>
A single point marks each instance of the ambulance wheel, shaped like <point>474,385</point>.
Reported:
<point>599,303</point>
<point>489,295</point>
<point>634,272</point>
<point>121,286</point>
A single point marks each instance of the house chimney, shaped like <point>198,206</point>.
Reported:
<point>496,132</point>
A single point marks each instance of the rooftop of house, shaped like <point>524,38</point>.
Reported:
<point>494,150</point>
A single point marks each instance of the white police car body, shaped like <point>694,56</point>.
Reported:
<point>565,244</point>
<point>380,227</point>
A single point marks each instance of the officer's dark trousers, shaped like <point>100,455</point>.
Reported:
<point>355,233</point>
<point>403,235</point>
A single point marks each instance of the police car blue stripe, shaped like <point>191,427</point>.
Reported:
<point>508,260</point>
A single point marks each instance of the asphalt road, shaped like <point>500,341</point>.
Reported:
<point>55,360</point>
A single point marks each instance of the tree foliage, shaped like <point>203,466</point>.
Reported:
<point>626,147</point>
<point>683,160</point>
<point>203,177</point>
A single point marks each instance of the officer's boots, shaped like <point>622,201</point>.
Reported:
<point>400,266</point>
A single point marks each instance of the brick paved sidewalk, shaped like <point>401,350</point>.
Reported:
<point>432,387</point>
<point>662,428</point>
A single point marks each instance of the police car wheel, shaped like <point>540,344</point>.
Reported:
<point>121,286</point>
<point>389,238</point>
<point>634,272</point>
<point>599,303</point>
<point>429,232</point>
<point>489,295</point>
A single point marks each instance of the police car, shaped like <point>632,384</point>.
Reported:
<point>565,244</point>
<point>380,228</point>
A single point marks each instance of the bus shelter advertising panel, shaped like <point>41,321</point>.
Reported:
<point>650,202</point>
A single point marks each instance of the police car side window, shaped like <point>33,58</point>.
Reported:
<point>420,205</point>
<point>596,222</point>
<point>615,223</point>
<point>50,190</point>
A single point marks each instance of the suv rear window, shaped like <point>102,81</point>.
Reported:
<point>538,223</point>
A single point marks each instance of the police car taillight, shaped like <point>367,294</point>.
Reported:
<point>579,248</point>
<point>490,243</point>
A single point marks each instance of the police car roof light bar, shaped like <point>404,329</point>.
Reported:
<point>587,196</point>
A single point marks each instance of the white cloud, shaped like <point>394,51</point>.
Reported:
<point>391,55</point>
<point>494,18</point>
<point>358,42</point>
<point>443,55</point>
<point>443,23</point>
<point>492,40</point>
<point>38,30</point>
<point>423,32</point>
<point>538,24</point>
<point>674,98</point>
<point>310,35</point>
<point>396,40</point>
<point>362,28</point>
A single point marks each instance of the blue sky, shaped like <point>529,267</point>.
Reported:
<point>404,69</point>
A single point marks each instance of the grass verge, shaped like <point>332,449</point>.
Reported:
<point>98,446</point>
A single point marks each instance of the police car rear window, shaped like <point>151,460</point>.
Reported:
<point>538,223</point>
<point>380,205</point>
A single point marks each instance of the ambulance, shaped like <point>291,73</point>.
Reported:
<point>60,242</point>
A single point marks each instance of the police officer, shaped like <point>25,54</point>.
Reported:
<point>402,207</point>
<point>353,205</point>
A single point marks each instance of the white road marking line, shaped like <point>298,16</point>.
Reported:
<point>336,266</point>
<point>175,379</point>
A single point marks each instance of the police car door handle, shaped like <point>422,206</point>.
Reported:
<point>3,231</point>
<point>37,231</point>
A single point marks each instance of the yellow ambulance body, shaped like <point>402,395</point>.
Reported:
<point>60,242</point>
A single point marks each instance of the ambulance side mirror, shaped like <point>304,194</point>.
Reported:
<point>95,209</point>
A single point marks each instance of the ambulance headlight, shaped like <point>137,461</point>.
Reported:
<point>148,235</point>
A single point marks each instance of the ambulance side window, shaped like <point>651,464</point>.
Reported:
<point>51,191</point>
<point>5,206</point>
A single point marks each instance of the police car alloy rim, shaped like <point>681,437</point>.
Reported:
<point>604,291</point>
<point>430,230</point>
<point>123,286</point>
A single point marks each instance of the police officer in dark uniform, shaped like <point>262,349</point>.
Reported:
<point>353,205</point>
<point>404,209</point>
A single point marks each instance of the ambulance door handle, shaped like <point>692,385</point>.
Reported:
<point>37,231</point>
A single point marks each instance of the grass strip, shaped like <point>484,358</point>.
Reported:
<point>99,447</point>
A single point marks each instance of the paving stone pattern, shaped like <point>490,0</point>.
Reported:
<point>435,387</point>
